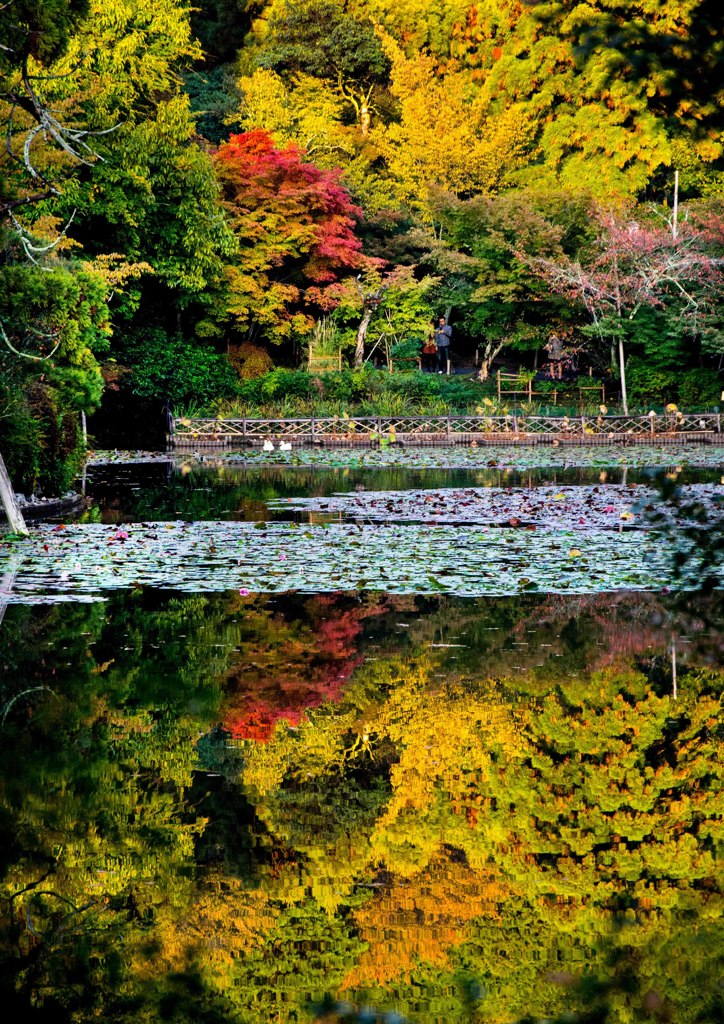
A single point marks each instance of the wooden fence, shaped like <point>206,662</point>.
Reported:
<point>434,430</point>
<point>515,384</point>
<point>324,363</point>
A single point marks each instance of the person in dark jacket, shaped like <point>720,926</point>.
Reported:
<point>443,335</point>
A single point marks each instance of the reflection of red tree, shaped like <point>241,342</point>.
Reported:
<point>301,665</point>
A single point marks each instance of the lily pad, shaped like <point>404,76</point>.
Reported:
<point>86,561</point>
<point>579,508</point>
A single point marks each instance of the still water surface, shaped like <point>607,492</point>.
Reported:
<point>357,805</point>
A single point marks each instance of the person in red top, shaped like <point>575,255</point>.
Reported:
<point>429,350</point>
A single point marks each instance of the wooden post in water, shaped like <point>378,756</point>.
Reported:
<point>10,503</point>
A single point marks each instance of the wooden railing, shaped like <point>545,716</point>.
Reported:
<point>515,384</point>
<point>325,363</point>
<point>199,431</point>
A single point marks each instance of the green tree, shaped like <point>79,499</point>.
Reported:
<point>319,38</point>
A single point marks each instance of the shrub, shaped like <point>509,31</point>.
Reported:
<point>650,385</point>
<point>42,442</point>
<point>699,387</point>
<point>338,387</point>
<point>409,348</point>
<point>282,383</point>
<point>250,361</point>
<point>180,371</point>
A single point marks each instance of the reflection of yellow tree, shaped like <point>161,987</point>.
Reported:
<point>418,919</point>
<point>617,799</point>
<point>449,738</point>
<point>221,924</point>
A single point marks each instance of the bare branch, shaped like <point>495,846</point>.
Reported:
<point>27,355</point>
<point>18,696</point>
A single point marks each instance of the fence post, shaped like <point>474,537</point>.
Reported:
<point>515,423</point>
<point>312,428</point>
<point>583,426</point>
<point>718,423</point>
<point>448,428</point>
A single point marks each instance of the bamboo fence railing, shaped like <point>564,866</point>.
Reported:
<point>434,430</point>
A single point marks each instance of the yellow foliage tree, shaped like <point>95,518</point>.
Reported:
<point>306,112</point>
<point>445,137</point>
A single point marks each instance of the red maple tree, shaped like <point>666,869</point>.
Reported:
<point>295,225</point>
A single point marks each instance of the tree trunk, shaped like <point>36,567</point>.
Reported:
<point>10,504</point>
<point>359,351</point>
<point>489,353</point>
<point>622,369</point>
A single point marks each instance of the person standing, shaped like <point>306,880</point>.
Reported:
<point>429,351</point>
<point>554,348</point>
<point>443,335</point>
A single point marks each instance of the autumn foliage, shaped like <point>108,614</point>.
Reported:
<point>281,681</point>
<point>295,226</point>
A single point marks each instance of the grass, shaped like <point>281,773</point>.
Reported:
<point>289,394</point>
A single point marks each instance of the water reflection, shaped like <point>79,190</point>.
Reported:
<point>193,492</point>
<point>218,807</point>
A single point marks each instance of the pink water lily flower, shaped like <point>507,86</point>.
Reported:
<point>243,591</point>
<point>609,508</point>
<point>121,535</point>
<point>282,557</point>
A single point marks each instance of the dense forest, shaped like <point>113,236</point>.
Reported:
<point>193,198</point>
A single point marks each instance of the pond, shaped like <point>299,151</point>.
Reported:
<point>285,743</point>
